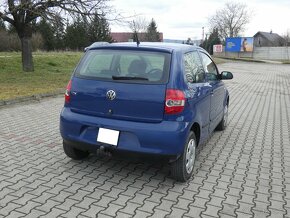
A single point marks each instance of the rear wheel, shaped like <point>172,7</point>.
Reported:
<point>224,122</point>
<point>182,168</point>
<point>74,153</point>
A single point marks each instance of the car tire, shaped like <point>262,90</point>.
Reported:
<point>74,153</point>
<point>224,122</point>
<point>182,168</point>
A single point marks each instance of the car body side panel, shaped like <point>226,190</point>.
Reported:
<point>217,103</point>
<point>200,102</point>
<point>199,96</point>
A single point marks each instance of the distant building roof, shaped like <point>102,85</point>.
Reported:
<point>122,37</point>
<point>272,38</point>
<point>128,36</point>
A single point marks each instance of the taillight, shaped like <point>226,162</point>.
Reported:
<point>67,92</point>
<point>174,101</point>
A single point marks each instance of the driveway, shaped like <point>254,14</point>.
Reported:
<point>243,171</point>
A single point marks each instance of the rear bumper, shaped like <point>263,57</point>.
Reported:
<point>164,138</point>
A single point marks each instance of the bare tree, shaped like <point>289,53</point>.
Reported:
<point>230,20</point>
<point>139,26</point>
<point>21,13</point>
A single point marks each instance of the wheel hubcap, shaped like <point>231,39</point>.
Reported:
<point>190,156</point>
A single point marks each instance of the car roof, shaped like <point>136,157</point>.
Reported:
<point>169,47</point>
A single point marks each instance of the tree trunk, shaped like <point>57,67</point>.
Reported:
<point>27,60</point>
<point>24,32</point>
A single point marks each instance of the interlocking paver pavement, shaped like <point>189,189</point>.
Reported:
<point>243,171</point>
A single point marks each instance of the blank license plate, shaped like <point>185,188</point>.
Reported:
<point>108,136</point>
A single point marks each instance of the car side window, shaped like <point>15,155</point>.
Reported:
<point>193,70</point>
<point>209,67</point>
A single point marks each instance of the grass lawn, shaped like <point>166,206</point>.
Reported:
<point>52,72</point>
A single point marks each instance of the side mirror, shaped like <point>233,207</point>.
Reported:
<point>226,75</point>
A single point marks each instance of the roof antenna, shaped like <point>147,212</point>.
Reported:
<point>136,34</point>
<point>137,40</point>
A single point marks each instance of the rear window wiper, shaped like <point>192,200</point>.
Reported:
<point>128,78</point>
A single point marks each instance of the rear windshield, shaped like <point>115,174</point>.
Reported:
<point>125,65</point>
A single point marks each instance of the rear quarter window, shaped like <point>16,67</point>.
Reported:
<point>193,69</point>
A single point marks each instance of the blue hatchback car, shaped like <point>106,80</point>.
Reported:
<point>153,98</point>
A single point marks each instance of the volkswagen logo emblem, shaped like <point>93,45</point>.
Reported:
<point>111,95</point>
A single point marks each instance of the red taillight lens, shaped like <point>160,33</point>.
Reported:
<point>67,92</point>
<point>174,101</point>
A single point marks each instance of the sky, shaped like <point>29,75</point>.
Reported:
<point>182,19</point>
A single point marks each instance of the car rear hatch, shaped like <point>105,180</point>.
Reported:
<point>121,84</point>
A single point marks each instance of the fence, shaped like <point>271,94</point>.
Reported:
<point>260,53</point>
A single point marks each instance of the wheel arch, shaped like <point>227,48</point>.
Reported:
<point>196,129</point>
